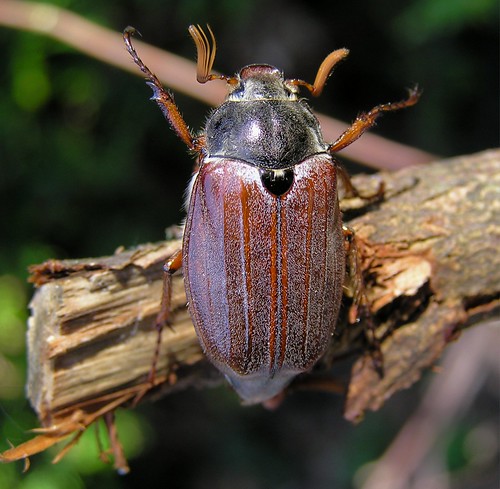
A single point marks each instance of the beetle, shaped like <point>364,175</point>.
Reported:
<point>263,251</point>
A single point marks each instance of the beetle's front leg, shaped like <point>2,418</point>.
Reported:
<point>360,310</point>
<point>365,120</point>
<point>163,98</point>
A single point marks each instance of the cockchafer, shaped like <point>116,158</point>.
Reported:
<point>263,251</point>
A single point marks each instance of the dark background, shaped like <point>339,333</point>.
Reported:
<point>88,164</point>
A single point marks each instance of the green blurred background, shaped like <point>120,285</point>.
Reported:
<point>88,164</point>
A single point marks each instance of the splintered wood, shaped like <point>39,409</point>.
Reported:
<point>429,254</point>
<point>92,328</point>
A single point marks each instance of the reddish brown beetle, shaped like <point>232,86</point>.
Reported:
<point>263,250</point>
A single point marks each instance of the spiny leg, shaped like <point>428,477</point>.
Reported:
<point>352,191</point>
<point>367,119</point>
<point>362,123</point>
<point>359,310</point>
<point>163,318</point>
<point>162,97</point>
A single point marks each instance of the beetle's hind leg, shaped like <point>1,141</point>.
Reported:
<point>355,288</point>
<point>164,316</point>
<point>163,319</point>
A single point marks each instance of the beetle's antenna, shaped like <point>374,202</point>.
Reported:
<point>324,71</point>
<point>206,52</point>
<point>206,49</point>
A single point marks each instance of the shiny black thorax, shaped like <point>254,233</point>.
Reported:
<point>265,124</point>
<point>271,134</point>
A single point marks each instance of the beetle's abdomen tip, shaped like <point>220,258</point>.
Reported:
<point>258,388</point>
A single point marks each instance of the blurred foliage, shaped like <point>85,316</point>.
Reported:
<point>88,164</point>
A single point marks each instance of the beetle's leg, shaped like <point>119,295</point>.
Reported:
<point>163,318</point>
<point>352,191</point>
<point>162,97</point>
<point>359,310</point>
<point>354,277</point>
<point>171,266</point>
<point>367,119</point>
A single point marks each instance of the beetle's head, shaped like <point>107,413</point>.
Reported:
<point>257,82</point>
<point>261,82</point>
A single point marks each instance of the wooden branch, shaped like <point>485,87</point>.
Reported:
<point>430,257</point>
<point>435,268</point>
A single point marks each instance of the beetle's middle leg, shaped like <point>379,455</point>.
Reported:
<point>359,310</point>
<point>352,191</point>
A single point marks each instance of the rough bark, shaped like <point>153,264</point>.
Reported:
<point>429,255</point>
